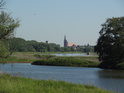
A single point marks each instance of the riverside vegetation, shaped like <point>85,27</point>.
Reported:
<point>110,44</point>
<point>67,61</point>
<point>14,84</point>
<point>40,59</point>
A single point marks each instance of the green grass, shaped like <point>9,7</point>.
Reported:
<point>43,56</point>
<point>24,57</point>
<point>67,61</point>
<point>44,59</point>
<point>16,60</point>
<point>10,84</point>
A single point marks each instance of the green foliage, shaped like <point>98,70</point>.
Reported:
<point>66,61</point>
<point>7,25</point>
<point>11,84</point>
<point>120,65</point>
<point>21,45</point>
<point>85,48</point>
<point>21,57</point>
<point>110,45</point>
<point>44,56</point>
<point>4,52</point>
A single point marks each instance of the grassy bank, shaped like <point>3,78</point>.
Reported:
<point>52,60</point>
<point>10,84</point>
<point>29,57</point>
<point>68,61</point>
<point>16,60</point>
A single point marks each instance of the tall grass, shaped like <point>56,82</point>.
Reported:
<point>24,57</point>
<point>10,84</point>
<point>66,61</point>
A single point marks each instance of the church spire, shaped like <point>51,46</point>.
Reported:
<point>65,42</point>
<point>65,37</point>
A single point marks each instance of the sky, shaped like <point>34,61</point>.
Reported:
<point>50,20</point>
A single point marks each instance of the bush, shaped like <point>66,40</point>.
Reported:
<point>4,52</point>
<point>43,56</point>
<point>66,61</point>
<point>120,66</point>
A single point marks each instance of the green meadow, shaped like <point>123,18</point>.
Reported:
<point>14,84</point>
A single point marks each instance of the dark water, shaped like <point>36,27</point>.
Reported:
<point>107,79</point>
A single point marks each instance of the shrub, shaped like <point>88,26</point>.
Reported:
<point>66,61</point>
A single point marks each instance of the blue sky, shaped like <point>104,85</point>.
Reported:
<point>79,20</point>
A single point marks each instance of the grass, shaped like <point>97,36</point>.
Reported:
<point>10,84</point>
<point>67,61</point>
<point>29,57</point>
<point>15,60</point>
<point>43,56</point>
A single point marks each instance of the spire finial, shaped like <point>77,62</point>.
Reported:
<point>65,37</point>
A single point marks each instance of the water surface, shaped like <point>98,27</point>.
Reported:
<point>71,54</point>
<point>107,79</point>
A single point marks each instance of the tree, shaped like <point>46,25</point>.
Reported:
<point>2,3</point>
<point>7,27</point>
<point>110,45</point>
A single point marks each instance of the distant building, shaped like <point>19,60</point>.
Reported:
<point>67,44</point>
<point>71,44</point>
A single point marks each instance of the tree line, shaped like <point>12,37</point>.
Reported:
<point>22,45</point>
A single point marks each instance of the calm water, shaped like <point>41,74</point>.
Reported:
<point>107,79</point>
<point>71,54</point>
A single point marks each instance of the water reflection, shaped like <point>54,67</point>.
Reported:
<point>116,74</point>
<point>111,80</point>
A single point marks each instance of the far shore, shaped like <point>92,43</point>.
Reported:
<point>37,58</point>
<point>77,61</point>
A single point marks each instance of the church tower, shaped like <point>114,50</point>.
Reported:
<point>65,42</point>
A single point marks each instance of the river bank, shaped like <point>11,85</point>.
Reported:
<point>56,61</point>
<point>12,84</point>
<point>53,60</point>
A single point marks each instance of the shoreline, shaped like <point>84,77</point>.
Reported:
<point>27,85</point>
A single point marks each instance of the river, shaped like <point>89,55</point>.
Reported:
<point>106,79</point>
<point>71,54</point>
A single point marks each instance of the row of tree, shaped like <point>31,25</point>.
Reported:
<point>21,45</point>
